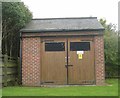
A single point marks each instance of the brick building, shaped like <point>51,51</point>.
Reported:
<point>60,51</point>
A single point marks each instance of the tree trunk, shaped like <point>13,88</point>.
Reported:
<point>11,44</point>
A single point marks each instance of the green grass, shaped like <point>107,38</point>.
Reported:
<point>111,90</point>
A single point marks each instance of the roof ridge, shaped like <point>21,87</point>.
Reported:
<point>65,18</point>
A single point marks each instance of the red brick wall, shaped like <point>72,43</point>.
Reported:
<point>99,60</point>
<point>31,61</point>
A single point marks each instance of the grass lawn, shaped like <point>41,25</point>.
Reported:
<point>111,90</point>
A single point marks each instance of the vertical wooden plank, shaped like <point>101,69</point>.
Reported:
<point>19,70</point>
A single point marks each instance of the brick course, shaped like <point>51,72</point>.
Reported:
<point>31,61</point>
<point>99,60</point>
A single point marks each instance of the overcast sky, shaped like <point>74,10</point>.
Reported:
<point>107,9</point>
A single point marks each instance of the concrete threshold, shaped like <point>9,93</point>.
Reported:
<point>64,85</point>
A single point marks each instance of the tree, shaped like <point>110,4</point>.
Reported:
<point>110,48</point>
<point>14,17</point>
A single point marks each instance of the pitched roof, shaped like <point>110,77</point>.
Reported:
<point>63,24</point>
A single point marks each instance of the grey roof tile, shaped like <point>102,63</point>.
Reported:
<point>63,24</point>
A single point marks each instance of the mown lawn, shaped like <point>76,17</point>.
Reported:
<point>111,90</point>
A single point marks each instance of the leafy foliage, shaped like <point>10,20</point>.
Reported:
<point>110,48</point>
<point>14,15</point>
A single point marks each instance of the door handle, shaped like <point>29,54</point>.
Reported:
<point>68,65</point>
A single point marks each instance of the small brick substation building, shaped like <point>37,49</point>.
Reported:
<point>62,51</point>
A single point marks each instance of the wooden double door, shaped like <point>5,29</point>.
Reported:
<point>67,61</point>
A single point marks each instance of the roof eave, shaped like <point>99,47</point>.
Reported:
<point>61,30</point>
